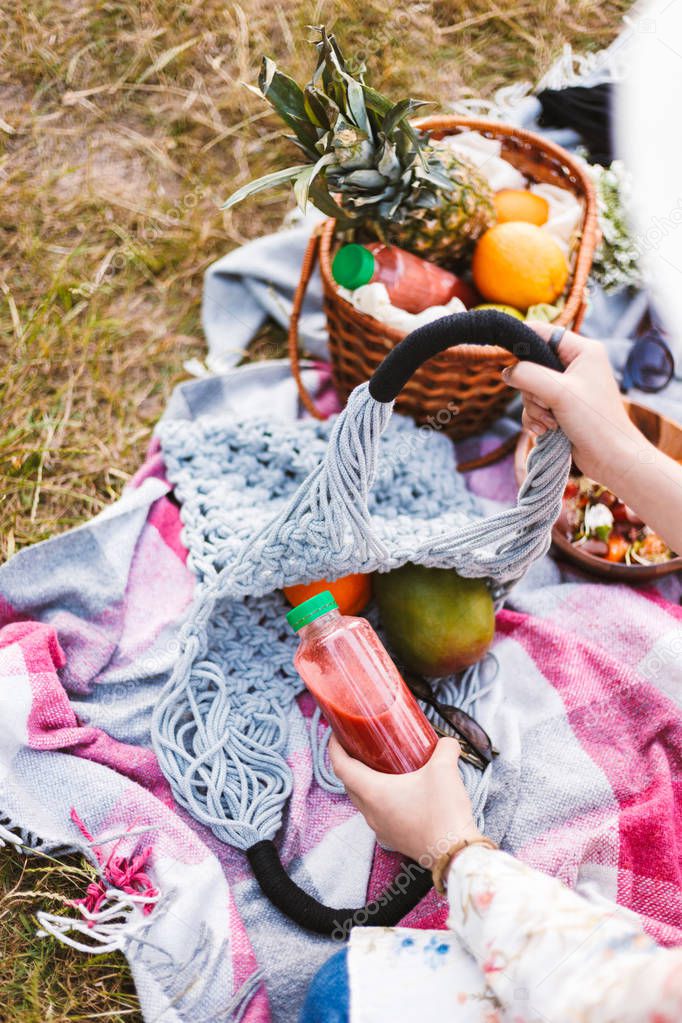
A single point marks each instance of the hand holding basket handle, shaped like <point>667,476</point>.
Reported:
<point>482,327</point>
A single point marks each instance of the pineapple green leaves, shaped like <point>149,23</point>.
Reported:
<point>267,181</point>
<point>364,143</point>
<point>365,164</point>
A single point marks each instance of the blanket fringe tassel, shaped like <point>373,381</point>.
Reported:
<point>109,929</point>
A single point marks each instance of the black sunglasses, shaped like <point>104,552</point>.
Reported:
<point>650,365</point>
<point>474,741</point>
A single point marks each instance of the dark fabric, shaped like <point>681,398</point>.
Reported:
<point>587,110</point>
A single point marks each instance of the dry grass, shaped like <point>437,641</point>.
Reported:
<point>122,128</point>
<point>43,981</point>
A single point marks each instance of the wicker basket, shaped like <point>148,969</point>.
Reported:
<point>460,390</point>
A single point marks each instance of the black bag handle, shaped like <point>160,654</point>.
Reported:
<point>387,910</point>
<point>477,327</point>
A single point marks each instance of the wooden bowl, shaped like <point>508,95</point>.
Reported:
<point>666,434</point>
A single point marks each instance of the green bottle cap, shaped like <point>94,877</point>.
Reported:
<point>353,266</point>
<point>311,609</point>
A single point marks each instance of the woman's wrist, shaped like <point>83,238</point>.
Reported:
<point>438,843</point>
<point>652,486</point>
<point>444,864</point>
<point>629,453</point>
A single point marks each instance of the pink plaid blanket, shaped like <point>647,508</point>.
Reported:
<point>588,785</point>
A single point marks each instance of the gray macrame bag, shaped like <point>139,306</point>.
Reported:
<point>266,505</point>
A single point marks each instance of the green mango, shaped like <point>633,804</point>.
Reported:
<point>435,621</point>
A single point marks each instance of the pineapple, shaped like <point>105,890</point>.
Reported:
<point>447,231</point>
<point>368,167</point>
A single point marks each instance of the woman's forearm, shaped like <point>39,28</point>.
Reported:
<point>650,483</point>
<point>548,954</point>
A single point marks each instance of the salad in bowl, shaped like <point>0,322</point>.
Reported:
<point>594,519</point>
<point>595,528</point>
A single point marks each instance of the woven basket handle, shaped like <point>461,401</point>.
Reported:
<point>478,327</point>
<point>307,267</point>
<point>387,910</point>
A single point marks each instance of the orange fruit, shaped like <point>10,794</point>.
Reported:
<point>351,592</point>
<point>518,204</point>
<point>519,264</point>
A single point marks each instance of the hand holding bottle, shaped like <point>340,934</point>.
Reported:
<point>419,814</point>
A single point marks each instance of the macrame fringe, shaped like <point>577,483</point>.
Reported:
<point>322,769</point>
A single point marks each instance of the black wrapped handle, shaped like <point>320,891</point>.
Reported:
<point>477,327</point>
<point>387,910</point>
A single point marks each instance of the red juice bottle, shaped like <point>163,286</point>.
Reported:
<point>413,284</point>
<point>358,688</point>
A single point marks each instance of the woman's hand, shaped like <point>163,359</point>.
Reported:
<point>585,402</point>
<point>420,814</point>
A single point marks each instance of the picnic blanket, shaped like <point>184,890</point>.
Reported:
<point>584,708</point>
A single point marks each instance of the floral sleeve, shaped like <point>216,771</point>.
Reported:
<point>547,953</point>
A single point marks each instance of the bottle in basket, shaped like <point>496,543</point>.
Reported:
<point>357,686</point>
<point>413,284</point>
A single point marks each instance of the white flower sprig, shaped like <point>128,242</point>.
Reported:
<point>616,259</point>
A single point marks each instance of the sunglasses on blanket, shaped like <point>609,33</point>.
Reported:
<point>476,747</point>
<point>650,365</point>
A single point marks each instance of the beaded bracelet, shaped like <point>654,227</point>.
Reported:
<point>441,867</point>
